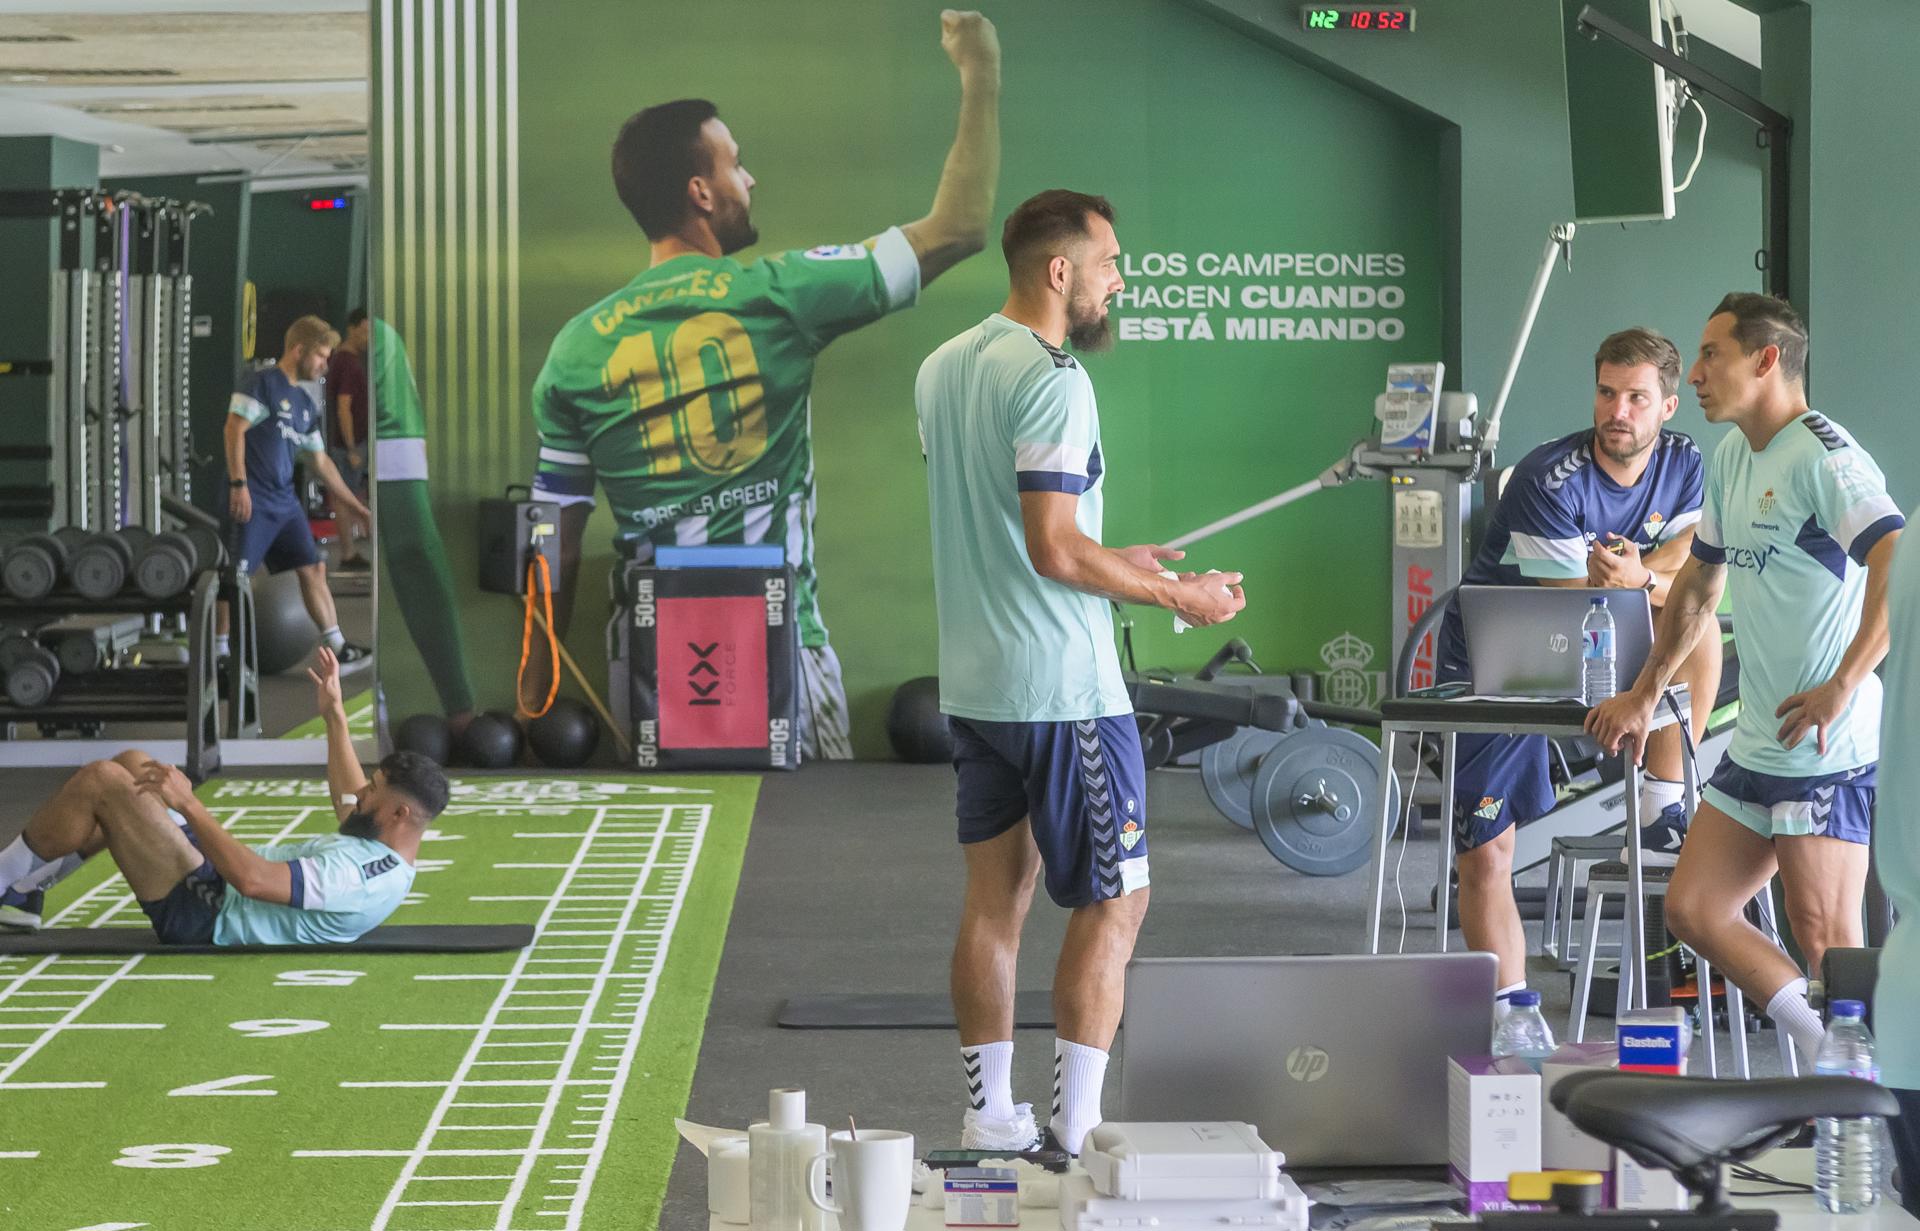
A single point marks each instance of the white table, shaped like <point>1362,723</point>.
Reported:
<point>1797,1212</point>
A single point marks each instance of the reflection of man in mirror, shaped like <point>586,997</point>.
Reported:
<point>415,555</point>
<point>347,421</point>
<point>270,419</point>
<point>686,393</point>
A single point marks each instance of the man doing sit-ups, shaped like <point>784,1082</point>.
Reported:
<point>198,883</point>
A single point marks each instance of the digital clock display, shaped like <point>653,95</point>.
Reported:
<point>1356,17</point>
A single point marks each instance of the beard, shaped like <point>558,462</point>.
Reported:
<point>1089,328</point>
<point>734,229</point>
<point>1612,445</point>
<point>360,825</point>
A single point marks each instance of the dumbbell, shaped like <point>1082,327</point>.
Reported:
<point>35,564</point>
<point>100,565</point>
<point>31,670</point>
<point>168,562</point>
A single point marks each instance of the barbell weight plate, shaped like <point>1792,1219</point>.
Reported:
<point>1316,800</point>
<point>1228,767</point>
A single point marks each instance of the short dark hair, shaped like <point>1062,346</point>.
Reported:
<point>355,317</point>
<point>657,152</point>
<point>1048,218</point>
<point>1632,347</point>
<point>420,779</point>
<point>1760,321</point>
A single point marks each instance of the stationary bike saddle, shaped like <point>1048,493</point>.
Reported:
<point>1682,1122</point>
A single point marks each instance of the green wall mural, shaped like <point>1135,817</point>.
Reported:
<point>1296,215</point>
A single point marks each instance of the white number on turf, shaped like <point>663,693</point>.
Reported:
<point>224,1086</point>
<point>171,1156</point>
<point>274,1027</point>
<point>317,978</point>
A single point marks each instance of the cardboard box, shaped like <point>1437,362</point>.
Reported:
<point>1562,1146</point>
<point>1654,1040</point>
<point>1493,1126</point>
<point>1646,1188</point>
<point>982,1197</point>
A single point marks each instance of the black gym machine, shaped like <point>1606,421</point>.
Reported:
<point>109,588</point>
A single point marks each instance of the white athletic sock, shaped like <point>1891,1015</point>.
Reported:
<point>1656,794</point>
<point>48,874</point>
<point>1078,1074</point>
<point>333,637</point>
<point>989,1071</point>
<point>17,860</point>
<point>1502,1005</point>
<point>223,644</point>
<point>1791,1012</point>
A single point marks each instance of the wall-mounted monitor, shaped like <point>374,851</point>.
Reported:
<point>1617,118</point>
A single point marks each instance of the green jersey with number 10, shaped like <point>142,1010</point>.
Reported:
<point>685,395</point>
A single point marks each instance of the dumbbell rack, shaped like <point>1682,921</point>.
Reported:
<point>161,693</point>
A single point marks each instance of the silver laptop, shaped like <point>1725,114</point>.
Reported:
<point>1525,640</point>
<point>1338,1061</point>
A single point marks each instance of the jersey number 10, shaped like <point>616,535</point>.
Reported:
<point>704,406</point>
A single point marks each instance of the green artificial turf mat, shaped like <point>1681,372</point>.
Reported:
<point>530,1091</point>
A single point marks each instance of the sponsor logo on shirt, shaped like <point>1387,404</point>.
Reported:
<point>838,252</point>
<point>1747,557</point>
<point>1764,525</point>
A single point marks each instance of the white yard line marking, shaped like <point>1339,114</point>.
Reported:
<point>107,978</point>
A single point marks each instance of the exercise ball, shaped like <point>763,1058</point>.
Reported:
<point>565,736</point>
<point>428,735</point>
<point>283,631</point>
<point>491,741</point>
<point>915,726</point>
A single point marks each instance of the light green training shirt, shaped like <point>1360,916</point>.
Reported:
<point>1003,412</point>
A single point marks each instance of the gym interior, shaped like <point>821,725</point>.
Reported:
<point>669,603</point>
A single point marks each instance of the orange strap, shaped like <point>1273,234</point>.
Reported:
<point>526,641</point>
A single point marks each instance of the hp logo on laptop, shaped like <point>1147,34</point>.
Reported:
<point>1307,1064</point>
<point>1558,643</point>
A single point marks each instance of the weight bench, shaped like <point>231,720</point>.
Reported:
<point>405,938</point>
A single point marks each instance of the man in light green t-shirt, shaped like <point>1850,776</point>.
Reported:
<point>1797,522</point>
<point>686,395</point>
<point>1050,772</point>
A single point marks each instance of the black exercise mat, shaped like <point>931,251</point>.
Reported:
<point>900,1011</point>
<point>418,938</point>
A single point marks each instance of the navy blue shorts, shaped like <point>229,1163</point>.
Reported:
<point>276,536</point>
<point>1082,786</point>
<point>1823,806</point>
<point>1499,781</point>
<point>186,915</point>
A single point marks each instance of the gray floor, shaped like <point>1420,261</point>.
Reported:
<point>852,883</point>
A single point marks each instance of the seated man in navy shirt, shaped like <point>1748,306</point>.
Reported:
<point>1612,506</point>
<point>269,420</point>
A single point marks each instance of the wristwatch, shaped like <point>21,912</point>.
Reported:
<point>236,483</point>
<point>1650,582</point>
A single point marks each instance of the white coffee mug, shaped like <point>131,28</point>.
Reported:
<point>872,1179</point>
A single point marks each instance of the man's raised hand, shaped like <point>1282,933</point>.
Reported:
<point>325,674</point>
<point>969,40</point>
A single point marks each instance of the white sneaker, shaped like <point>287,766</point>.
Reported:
<point>983,1132</point>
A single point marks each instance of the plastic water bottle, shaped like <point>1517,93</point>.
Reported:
<point>1523,1032</point>
<point>1846,1152</point>
<point>1596,653</point>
